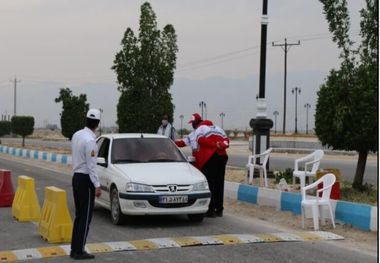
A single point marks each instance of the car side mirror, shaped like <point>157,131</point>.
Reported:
<point>191,159</point>
<point>101,161</point>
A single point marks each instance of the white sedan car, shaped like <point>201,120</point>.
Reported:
<point>146,174</point>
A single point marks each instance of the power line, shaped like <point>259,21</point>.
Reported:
<point>218,56</point>
<point>216,59</point>
<point>216,62</point>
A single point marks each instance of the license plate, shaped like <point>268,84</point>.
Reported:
<point>177,199</point>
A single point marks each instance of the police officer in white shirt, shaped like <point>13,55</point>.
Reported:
<point>85,182</point>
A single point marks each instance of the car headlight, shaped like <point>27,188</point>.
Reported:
<point>202,186</point>
<point>133,187</point>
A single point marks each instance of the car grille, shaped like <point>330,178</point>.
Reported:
<point>165,188</point>
<point>155,203</point>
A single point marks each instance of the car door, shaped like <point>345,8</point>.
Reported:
<point>102,170</point>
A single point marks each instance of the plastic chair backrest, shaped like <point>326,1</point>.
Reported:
<point>328,181</point>
<point>266,156</point>
<point>318,155</point>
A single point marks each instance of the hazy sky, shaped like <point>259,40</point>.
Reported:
<point>49,44</point>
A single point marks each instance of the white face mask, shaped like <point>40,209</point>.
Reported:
<point>165,122</point>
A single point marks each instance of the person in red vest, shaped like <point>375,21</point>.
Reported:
<point>189,140</point>
<point>211,160</point>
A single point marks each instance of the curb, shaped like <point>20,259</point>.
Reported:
<point>55,158</point>
<point>360,216</point>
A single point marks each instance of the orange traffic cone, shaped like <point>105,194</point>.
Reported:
<point>7,192</point>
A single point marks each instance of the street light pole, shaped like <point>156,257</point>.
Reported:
<point>307,106</point>
<point>222,115</point>
<point>261,125</point>
<point>15,81</point>
<point>296,91</point>
<point>275,113</point>
<point>202,105</point>
<point>181,117</point>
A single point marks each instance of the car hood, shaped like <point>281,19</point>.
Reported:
<point>161,173</point>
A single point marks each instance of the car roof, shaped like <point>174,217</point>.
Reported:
<point>132,135</point>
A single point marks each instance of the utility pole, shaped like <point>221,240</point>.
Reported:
<point>296,91</point>
<point>307,106</point>
<point>15,96</point>
<point>286,46</point>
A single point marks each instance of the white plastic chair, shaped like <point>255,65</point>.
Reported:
<point>263,159</point>
<point>317,204</point>
<point>311,163</point>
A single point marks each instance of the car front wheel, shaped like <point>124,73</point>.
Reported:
<point>116,214</point>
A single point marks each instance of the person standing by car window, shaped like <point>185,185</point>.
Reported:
<point>85,182</point>
<point>189,140</point>
<point>166,128</point>
<point>211,160</point>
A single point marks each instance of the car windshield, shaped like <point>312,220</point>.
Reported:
<point>142,150</point>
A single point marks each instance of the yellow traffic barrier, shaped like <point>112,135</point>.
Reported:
<point>25,206</point>
<point>55,225</point>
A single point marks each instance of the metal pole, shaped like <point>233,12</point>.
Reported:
<point>275,124</point>
<point>15,95</point>
<point>296,112</point>
<point>285,76</point>
<point>263,49</point>
<point>181,117</point>
<point>307,120</point>
<point>100,123</point>
<point>222,115</point>
<point>202,105</point>
<point>307,106</point>
<point>295,91</point>
<point>275,113</point>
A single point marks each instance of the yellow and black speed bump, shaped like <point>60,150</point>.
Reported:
<point>175,242</point>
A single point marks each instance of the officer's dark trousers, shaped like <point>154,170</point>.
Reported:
<point>84,197</point>
<point>214,170</point>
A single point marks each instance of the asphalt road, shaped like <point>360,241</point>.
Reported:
<point>24,235</point>
<point>347,166</point>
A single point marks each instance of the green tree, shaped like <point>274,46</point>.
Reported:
<point>145,71</point>
<point>5,128</point>
<point>347,108</point>
<point>22,125</point>
<point>74,109</point>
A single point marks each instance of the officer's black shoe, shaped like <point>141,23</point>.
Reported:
<point>219,213</point>
<point>83,255</point>
<point>210,214</point>
<point>72,254</point>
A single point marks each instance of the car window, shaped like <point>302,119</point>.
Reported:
<point>137,150</point>
<point>103,146</point>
